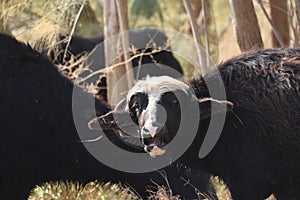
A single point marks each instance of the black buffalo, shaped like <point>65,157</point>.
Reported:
<point>258,151</point>
<point>39,140</point>
<point>146,43</point>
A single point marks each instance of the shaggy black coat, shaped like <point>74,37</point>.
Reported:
<point>258,152</point>
<point>39,141</point>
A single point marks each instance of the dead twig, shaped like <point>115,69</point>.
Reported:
<point>195,29</point>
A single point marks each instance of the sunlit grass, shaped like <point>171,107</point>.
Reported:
<point>32,19</point>
<point>108,191</point>
<point>221,189</point>
<point>93,190</point>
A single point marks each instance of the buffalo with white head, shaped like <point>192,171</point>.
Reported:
<point>258,148</point>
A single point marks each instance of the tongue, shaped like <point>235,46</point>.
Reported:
<point>156,151</point>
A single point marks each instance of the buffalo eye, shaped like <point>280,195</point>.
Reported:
<point>137,103</point>
<point>175,101</point>
<point>135,107</point>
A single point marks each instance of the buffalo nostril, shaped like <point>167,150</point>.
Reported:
<point>150,130</point>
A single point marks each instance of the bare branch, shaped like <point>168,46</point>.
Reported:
<point>274,29</point>
<point>113,67</point>
<point>206,34</point>
<point>197,38</point>
<point>293,24</point>
<point>298,17</point>
<point>73,29</point>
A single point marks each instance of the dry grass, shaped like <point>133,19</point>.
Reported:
<point>72,191</point>
<point>222,191</point>
<point>163,193</point>
<point>97,191</point>
<point>108,191</point>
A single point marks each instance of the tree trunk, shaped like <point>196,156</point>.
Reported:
<point>245,25</point>
<point>122,7</point>
<point>113,52</point>
<point>196,7</point>
<point>298,19</point>
<point>203,62</point>
<point>279,16</point>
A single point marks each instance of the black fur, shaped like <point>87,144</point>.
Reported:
<point>258,152</point>
<point>39,141</point>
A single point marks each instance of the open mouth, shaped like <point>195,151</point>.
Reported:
<point>122,125</point>
<point>154,146</point>
<point>154,150</point>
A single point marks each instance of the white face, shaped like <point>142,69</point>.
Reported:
<point>148,118</point>
<point>145,103</point>
<point>162,107</point>
<point>156,86</point>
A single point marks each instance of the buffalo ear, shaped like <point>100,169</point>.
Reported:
<point>210,106</point>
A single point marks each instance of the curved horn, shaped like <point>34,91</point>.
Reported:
<point>126,133</point>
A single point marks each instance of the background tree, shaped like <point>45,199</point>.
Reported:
<point>203,61</point>
<point>89,23</point>
<point>245,24</point>
<point>147,9</point>
<point>298,19</point>
<point>114,21</point>
<point>196,8</point>
<point>280,20</point>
